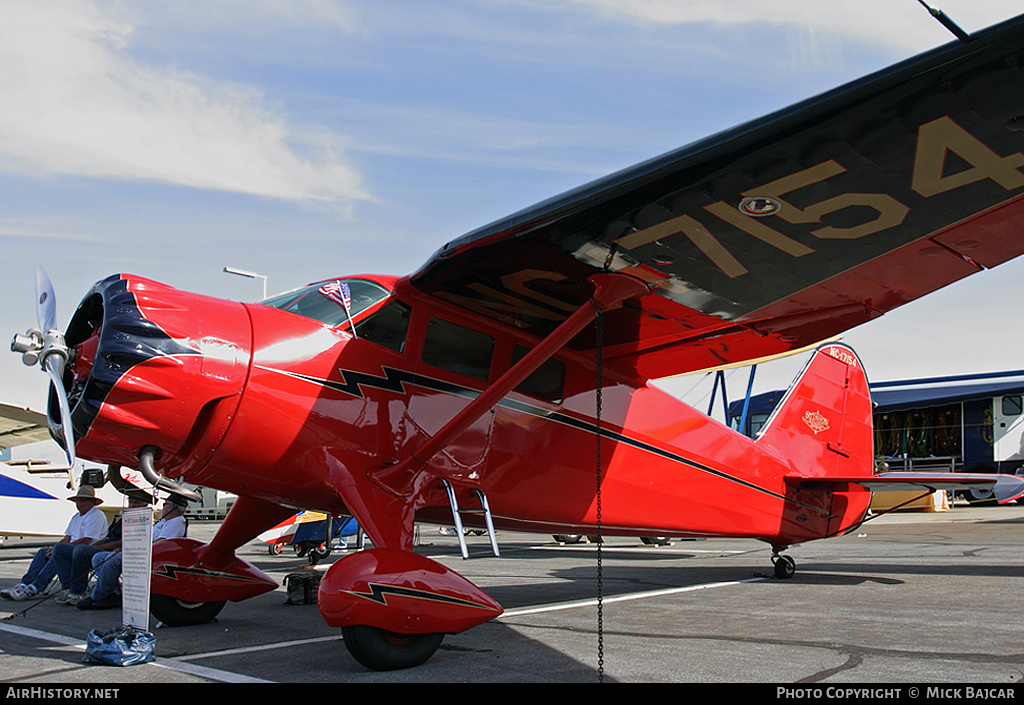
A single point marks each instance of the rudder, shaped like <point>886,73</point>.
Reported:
<point>823,426</point>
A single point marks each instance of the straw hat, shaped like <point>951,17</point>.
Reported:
<point>86,492</point>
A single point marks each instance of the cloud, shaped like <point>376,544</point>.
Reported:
<point>902,26</point>
<point>75,103</point>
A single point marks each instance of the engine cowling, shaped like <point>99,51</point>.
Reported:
<point>153,365</point>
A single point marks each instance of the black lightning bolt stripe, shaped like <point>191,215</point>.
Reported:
<point>171,572</point>
<point>379,593</point>
<point>397,381</point>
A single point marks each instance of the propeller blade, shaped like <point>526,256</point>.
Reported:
<point>46,302</point>
<point>53,366</point>
<point>53,362</point>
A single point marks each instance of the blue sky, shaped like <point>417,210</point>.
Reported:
<point>304,140</point>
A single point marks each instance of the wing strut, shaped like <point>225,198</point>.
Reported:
<point>610,288</point>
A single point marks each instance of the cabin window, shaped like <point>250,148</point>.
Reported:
<point>547,382</point>
<point>1013,405</point>
<point>388,326</point>
<point>457,349</point>
<point>313,302</point>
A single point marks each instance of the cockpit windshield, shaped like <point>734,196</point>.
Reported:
<point>324,301</point>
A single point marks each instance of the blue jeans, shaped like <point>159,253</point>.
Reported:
<point>108,574</point>
<point>74,563</point>
<point>41,570</point>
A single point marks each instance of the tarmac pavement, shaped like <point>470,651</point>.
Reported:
<point>911,599</point>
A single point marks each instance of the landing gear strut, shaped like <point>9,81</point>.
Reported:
<point>785,566</point>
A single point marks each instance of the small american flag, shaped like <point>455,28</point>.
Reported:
<point>338,293</point>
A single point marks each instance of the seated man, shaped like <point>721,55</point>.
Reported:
<point>74,563</point>
<point>106,592</point>
<point>88,525</point>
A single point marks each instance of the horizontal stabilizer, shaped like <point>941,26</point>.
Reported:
<point>1006,487</point>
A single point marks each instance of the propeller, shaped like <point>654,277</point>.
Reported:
<point>46,346</point>
<point>46,301</point>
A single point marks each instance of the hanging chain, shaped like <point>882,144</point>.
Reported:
<point>599,358</point>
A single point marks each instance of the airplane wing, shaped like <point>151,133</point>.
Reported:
<point>778,233</point>
<point>20,426</point>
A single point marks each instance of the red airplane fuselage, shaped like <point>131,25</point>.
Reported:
<point>281,407</point>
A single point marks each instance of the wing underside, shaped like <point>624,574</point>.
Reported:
<point>779,233</point>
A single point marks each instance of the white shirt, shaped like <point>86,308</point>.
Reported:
<point>169,528</point>
<point>91,525</point>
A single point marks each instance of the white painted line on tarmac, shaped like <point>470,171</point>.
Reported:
<point>213,674</point>
<point>624,598</point>
<point>172,664</point>
<point>43,636</point>
<point>261,647</point>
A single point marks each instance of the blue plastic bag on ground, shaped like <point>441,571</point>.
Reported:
<point>123,646</point>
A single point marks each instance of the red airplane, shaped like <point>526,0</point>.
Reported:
<point>510,373</point>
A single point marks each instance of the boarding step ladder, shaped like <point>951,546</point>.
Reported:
<point>457,513</point>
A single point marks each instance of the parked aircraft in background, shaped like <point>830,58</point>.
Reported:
<point>35,482</point>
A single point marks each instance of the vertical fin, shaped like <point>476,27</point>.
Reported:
<point>823,427</point>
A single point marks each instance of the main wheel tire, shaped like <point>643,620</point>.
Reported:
<point>381,650</point>
<point>178,613</point>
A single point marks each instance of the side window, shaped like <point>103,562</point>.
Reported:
<point>388,326</point>
<point>547,382</point>
<point>457,349</point>
<point>1013,405</point>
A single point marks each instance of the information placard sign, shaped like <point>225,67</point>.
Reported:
<point>136,567</point>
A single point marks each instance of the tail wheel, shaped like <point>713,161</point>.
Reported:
<point>381,650</point>
<point>179,613</point>
<point>785,567</point>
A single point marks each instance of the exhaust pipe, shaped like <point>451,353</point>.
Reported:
<point>148,469</point>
